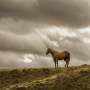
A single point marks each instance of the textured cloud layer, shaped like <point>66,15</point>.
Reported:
<point>71,13</point>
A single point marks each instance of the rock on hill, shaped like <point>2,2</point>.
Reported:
<point>71,78</point>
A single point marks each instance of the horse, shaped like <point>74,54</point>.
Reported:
<point>64,55</point>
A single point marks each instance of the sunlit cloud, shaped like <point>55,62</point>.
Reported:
<point>26,59</point>
<point>86,40</point>
<point>53,43</point>
<point>30,56</point>
<point>64,32</point>
<point>83,30</point>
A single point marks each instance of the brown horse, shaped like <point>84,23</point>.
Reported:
<point>59,56</point>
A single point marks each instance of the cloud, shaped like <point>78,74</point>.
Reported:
<point>71,41</point>
<point>17,9</point>
<point>14,38</point>
<point>18,27</point>
<point>14,60</point>
<point>21,43</point>
<point>27,41</point>
<point>71,13</point>
<point>67,13</point>
<point>9,60</point>
<point>78,49</point>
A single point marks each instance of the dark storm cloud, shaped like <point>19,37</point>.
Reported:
<point>22,9</point>
<point>11,7</point>
<point>71,13</point>
<point>68,13</point>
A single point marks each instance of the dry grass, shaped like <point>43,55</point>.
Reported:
<point>71,78</point>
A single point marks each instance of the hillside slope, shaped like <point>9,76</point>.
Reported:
<point>71,78</point>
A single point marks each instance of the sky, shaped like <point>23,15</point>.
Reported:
<point>28,27</point>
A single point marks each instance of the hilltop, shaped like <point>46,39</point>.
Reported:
<point>71,78</point>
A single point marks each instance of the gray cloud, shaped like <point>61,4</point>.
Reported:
<point>14,60</point>
<point>21,43</point>
<point>35,41</point>
<point>76,45</point>
<point>78,48</point>
<point>12,44</point>
<point>72,13</point>
<point>10,60</point>
<point>13,8</point>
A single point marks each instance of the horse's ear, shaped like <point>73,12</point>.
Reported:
<point>48,48</point>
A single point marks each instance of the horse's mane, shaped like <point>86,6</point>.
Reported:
<point>52,50</point>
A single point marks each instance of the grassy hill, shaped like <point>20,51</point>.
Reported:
<point>71,78</point>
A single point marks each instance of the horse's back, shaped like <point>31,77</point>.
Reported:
<point>66,52</point>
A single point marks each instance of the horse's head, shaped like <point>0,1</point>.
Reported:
<point>48,51</point>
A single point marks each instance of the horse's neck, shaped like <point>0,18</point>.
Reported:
<point>52,52</point>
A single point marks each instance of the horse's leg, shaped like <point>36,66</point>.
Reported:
<point>65,61</point>
<point>68,62</point>
<point>57,62</point>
